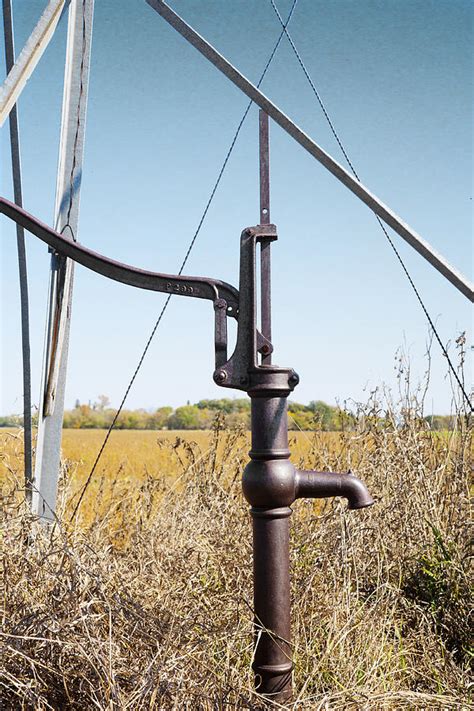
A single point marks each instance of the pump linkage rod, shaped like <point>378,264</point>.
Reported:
<point>372,201</point>
<point>265,245</point>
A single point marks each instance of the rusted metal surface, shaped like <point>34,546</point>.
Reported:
<point>265,490</point>
<point>321,485</point>
<point>271,484</point>
<point>236,372</point>
<point>264,165</point>
<point>265,245</point>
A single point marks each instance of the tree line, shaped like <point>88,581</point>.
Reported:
<point>201,415</point>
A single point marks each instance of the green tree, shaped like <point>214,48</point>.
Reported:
<point>301,420</point>
<point>324,415</point>
<point>158,420</point>
<point>185,418</point>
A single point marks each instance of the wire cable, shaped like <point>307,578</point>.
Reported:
<point>382,226</point>
<point>183,264</point>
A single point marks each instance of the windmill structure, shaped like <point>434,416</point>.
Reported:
<point>271,483</point>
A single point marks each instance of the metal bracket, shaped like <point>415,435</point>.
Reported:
<point>242,370</point>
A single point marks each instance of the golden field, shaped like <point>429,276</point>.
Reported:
<point>144,599</point>
<point>134,458</point>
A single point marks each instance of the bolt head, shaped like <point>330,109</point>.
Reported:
<point>220,376</point>
<point>294,379</point>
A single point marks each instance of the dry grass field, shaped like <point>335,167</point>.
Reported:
<point>134,458</point>
<point>144,600</point>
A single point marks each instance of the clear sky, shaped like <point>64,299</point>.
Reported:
<point>397,81</point>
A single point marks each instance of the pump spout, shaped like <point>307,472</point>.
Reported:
<point>321,485</point>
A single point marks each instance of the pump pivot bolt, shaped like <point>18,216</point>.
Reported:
<point>220,376</point>
<point>294,379</point>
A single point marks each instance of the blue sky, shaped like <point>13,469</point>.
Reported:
<point>397,81</point>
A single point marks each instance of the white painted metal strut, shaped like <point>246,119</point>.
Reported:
<point>355,186</point>
<point>29,57</point>
<point>51,406</point>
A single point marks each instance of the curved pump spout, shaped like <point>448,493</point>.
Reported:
<point>320,485</point>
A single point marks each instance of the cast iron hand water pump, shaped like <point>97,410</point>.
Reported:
<point>270,481</point>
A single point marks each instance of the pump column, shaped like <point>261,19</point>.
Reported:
<point>269,486</point>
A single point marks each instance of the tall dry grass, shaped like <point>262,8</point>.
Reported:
<point>148,603</point>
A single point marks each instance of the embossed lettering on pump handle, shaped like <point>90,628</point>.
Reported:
<point>199,287</point>
<point>182,289</point>
<point>225,297</point>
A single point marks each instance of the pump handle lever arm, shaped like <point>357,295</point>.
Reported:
<point>198,287</point>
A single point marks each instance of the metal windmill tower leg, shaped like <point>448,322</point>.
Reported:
<point>51,405</point>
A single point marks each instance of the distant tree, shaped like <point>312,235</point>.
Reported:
<point>301,420</point>
<point>239,417</point>
<point>11,421</point>
<point>81,417</point>
<point>225,405</point>
<point>296,407</point>
<point>241,405</point>
<point>158,420</point>
<point>316,415</point>
<point>103,402</point>
<point>324,414</point>
<point>132,420</point>
<point>440,422</point>
<point>184,418</point>
<point>206,418</point>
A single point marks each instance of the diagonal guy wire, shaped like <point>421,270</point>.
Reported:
<point>382,226</point>
<point>183,264</point>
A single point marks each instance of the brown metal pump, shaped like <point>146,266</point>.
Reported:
<point>271,483</point>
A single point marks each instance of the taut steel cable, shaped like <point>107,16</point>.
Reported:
<point>382,226</point>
